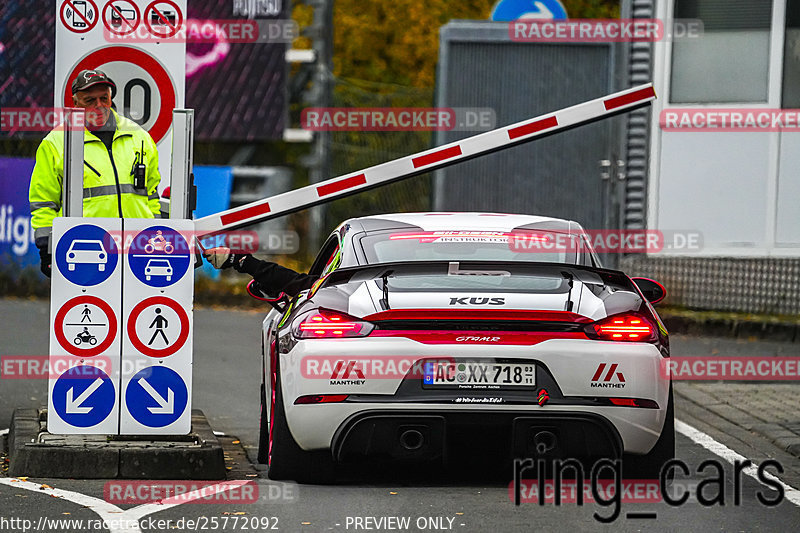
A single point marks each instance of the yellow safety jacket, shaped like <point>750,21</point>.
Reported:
<point>108,187</point>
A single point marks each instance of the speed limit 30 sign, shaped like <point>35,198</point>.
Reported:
<point>146,93</point>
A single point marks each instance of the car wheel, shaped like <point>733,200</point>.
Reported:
<point>71,266</point>
<point>648,466</point>
<point>147,278</point>
<point>263,430</point>
<point>101,268</point>
<point>287,461</point>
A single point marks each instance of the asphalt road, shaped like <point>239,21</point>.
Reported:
<point>226,380</point>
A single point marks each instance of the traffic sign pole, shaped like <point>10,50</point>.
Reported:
<point>440,157</point>
<point>72,184</point>
<point>180,204</point>
<point>157,296</point>
<point>85,337</point>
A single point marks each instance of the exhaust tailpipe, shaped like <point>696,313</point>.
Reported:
<point>411,439</point>
<point>544,441</point>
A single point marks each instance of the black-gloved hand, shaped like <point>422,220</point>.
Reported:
<point>222,257</point>
<point>47,261</point>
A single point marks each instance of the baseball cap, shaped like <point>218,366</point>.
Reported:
<point>90,78</point>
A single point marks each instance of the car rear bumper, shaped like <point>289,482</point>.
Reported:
<point>414,435</point>
<point>568,369</point>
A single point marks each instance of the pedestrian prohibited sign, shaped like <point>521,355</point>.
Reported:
<point>86,255</point>
<point>84,396</point>
<point>156,396</point>
<point>158,326</point>
<point>159,256</point>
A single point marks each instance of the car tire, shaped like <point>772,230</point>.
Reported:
<point>286,460</point>
<point>263,430</point>
<point>648,466</point>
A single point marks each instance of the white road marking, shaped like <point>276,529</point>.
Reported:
<point>117,520</point>
<point>717,448</point>
<point>3,432</point>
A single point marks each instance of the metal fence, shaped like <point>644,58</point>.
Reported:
<point>757,285</point>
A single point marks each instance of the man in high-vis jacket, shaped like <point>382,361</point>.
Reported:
<point>120,170</point>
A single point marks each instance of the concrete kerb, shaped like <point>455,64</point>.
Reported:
<point>34,452</point>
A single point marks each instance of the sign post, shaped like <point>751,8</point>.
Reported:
<point>157,320</point>
<point>85,304</point>
<point>72,189</point>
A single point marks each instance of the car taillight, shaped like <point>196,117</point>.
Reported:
<point>626,327</point>
<point>327,324</point>
<point>321,398</point>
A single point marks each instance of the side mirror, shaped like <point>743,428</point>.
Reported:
<point>651,289</point>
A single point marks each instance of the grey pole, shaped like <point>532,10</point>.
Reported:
<point>180,201</point>
<point>72,185</point>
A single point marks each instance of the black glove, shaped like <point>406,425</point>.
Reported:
<point>223,257</point>
<point>47,261</point>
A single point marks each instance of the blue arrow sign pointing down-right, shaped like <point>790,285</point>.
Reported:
<point>510,10</point>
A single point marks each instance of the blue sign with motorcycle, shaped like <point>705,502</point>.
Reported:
<point>86,255</point>
<point>84,396</point>
<point>159,256</point>
<point>156,396</point>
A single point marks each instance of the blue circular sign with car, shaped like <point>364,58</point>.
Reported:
<point>159,256</point>
<point>86,255</point>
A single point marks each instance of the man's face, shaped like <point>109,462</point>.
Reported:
<point>97,102</point>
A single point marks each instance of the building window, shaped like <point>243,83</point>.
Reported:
<point>791,58</point>
<point>730,61</point>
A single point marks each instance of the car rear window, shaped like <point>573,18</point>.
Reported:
<point>468,245</point>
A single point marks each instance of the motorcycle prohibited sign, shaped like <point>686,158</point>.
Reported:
<point>159,256</point>
<point>85,326</point>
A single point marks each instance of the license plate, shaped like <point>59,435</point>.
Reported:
<point>479,375</point>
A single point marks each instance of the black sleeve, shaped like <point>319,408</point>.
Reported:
<point>273,278</point>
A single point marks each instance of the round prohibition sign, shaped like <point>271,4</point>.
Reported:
<point>58,326</point>
<point>163,18</point>
<point>81,22</point>
<point>166,88</point>
<point>125,25</point>
<point>147,350</point>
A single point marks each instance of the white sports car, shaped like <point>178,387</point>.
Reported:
<point>428,333</point>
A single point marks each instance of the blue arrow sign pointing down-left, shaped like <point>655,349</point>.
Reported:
<point>84,396</point>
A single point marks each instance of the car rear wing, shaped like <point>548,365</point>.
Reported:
<point>584,274</point>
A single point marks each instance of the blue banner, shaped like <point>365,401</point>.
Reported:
<point>17,248</point>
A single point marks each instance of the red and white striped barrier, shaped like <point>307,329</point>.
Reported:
<point>439,157</point>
